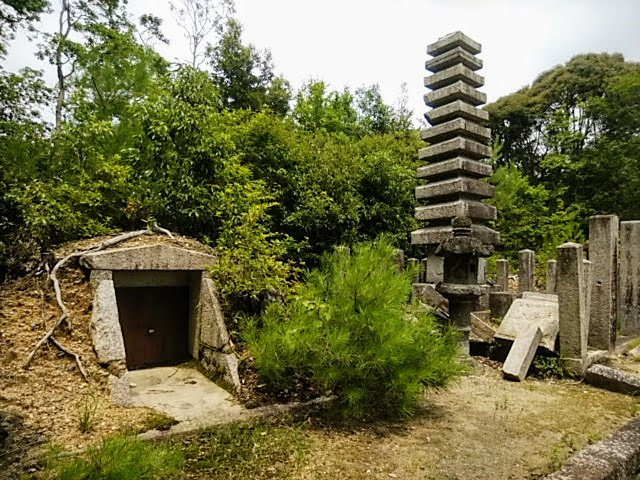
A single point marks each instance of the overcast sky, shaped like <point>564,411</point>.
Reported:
<point>360,42</point>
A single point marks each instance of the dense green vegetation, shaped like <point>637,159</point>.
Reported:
<point>348,330</point>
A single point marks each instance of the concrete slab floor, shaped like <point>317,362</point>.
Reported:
<point>186,395</point>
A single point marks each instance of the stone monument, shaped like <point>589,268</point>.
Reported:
<point>452,186</point>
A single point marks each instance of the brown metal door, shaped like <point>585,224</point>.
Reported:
<point>154,322</point>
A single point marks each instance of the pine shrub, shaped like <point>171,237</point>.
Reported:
<point>118,458</point>
<point>350,331</point>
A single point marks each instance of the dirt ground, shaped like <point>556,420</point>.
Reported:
<point>481,428</point>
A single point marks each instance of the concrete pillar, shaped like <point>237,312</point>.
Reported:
<point>502,279</point>
<point>551,276</point>
<point>603,253</point>
<point>482,271</point>
<point>435,269</point>
<point>629,278</point>
<point>527,268</point>
<point>573,325</point>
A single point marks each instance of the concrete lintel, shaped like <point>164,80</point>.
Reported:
<point>148,257</point>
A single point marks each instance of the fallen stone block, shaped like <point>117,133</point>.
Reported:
<point>613,380</point>
<point>427,294</point>
<point>528,311</point>
<point>480,330</point>
<point>521,354</point>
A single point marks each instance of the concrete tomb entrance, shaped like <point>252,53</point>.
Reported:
<point>156,305</point>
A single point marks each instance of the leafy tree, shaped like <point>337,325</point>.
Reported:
<point>244,75</point>
<point>16,13</point>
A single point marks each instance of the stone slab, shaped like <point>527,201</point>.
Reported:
<point>612,379</point>
<point>454,128</point>
<point>628,298</point>
<point>148,257</point>
<point>455,56</point>
<point>456,186</point>
<point>454,40</point>
<point>456,91</point>
<point>457,109</point>
<point>453,74</point>
<point>458,166</point>
<point>437,235</point>
<point>213,331</point>
<point>525,312</point>
<point>105,330</point>
<point>455,147</point>
<point>615,458</point>
<point>464,208</point>
<point>521,354</point>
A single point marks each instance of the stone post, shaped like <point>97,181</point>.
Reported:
<point>603,253</point>
<point>482,271</point>
<point>571,309</point>
<point>414,263</point>
<point>503,275</point>
<point>629,278</point>
<point>526,273</point>
<point>551,276</point>
<point>587,275</point>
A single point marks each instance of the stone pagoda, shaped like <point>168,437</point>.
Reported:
<point>451,186</point>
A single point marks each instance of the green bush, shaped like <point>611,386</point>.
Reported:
<point>350,331</point>
<point>117,458</point>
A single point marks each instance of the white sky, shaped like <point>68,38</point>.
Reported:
<point>361,42</point>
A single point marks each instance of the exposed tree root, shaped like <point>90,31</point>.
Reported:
<point>64,317</point>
